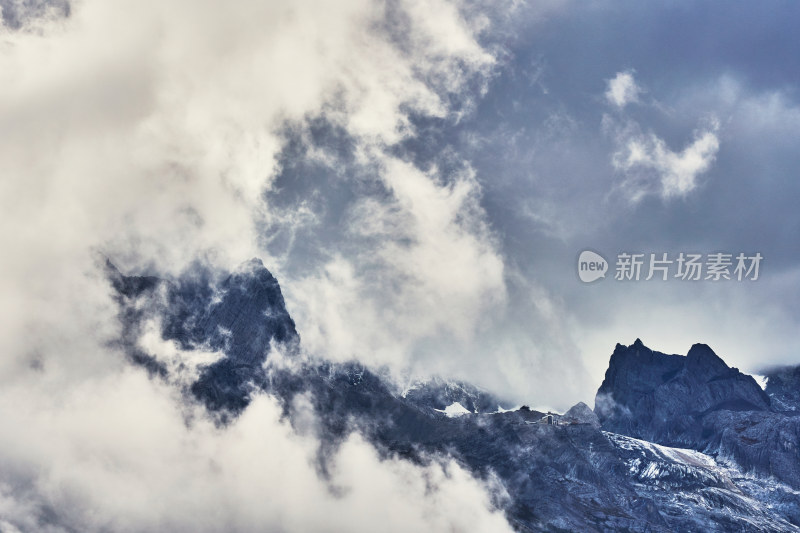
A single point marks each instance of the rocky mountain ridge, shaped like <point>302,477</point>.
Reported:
<point>674,443</point>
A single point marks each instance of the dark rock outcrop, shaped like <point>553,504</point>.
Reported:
<point>659,397</point>
<point>783,388</point>
<point>242,315</point>
<point>698,402</point>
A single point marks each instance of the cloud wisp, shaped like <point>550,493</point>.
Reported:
<point>622,89</point>
<point>651,167</point>
<point>648,164</point>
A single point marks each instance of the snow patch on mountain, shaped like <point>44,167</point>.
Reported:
<point>454,410</point>
<point>761,380</point>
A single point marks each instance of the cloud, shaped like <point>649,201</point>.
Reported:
<point>649,165</point>
<point>120,453</point>
<point>622,89</point>
<point>155,138</point>
<point>166,126</point>
<point>647,161</point>
<point>425,269</point>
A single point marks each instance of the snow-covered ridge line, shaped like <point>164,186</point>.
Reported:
<point>678,455</point>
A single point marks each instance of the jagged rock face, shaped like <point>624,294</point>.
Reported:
<point>655,396</point>
<point>698,402</point>
<point>243,315</point>
<point>783,388</point>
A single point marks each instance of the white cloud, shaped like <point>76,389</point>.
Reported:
<point>152,136</point>
<point>649,165</point>
<point>163,125</point>
<point>426,269</point>
<point>118,454</point>
<point>622,89</point>
<point>652,167</point>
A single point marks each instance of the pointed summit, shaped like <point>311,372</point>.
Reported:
<point>702,361</point>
